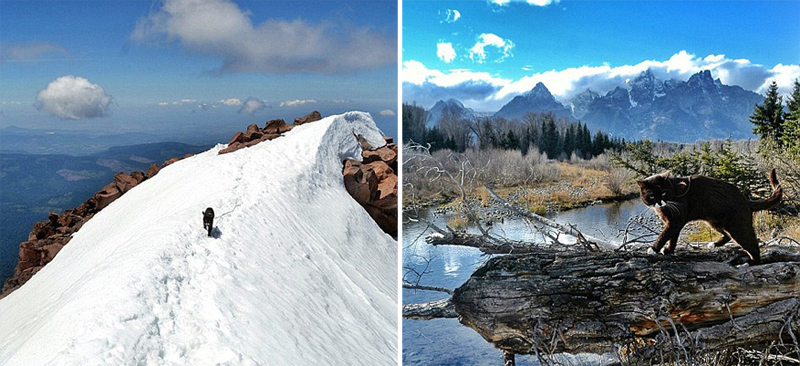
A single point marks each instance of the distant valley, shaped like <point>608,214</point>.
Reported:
<point>35,184</point>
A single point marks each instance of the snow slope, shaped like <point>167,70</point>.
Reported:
<point>298,273</point>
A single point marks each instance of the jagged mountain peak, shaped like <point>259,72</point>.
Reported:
<point>539,91</point>
<point>702,79</point>
<point>537,100</point>
<point>451,107</point>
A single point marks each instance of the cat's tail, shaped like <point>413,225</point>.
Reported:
<point>777,193</point>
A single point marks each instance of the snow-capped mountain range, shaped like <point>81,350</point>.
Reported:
<point>647,107</point>
<point>296,273</point>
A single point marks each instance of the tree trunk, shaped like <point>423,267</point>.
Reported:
<point>633,303</point>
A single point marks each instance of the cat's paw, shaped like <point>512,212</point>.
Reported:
<point>650,251</point>
<point>743,265</point>
<point>711,245</point>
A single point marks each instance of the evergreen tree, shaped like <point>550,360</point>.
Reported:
<point>587,142</point>
<point>569,140</point>
<point>510,141</point>
<point>791,124</point>
<point>414,123</point>
<point>550,137</point>
<point>768,117</point>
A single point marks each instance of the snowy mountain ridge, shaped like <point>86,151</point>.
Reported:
<point>297,271</point>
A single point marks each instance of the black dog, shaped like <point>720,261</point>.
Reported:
<point>208,220</point>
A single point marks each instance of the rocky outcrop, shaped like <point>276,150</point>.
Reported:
<point>373,184</point>
<point>311,117</point>
<point>48,237</point>
<point>254,135</point>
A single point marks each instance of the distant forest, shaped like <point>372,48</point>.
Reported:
<point>558,138</point>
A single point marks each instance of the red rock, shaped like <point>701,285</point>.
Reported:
<point>231,148</point>
<point>50,251</point>
<point>168,162</point>
<point>384,154</point>
<point>388,188</point>
<point>382,170</point>
<point>187,156</point>
<point>269,136</point>
<point>138,176</point>
<point>386,220</point>
<point>308,118</point>
<point>41,230</point>
<point>28,256</point>
<point>388,139</point>
<point>152,171</point>
<point>252,133</point>
<point>276,126</point>
<point>109,194</point>
<point>238,137</point>
<point>125,182</point>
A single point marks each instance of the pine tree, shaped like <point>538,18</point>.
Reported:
<point>768,117</point>
<point>510,142</point>
<point>587,142</point>
<point>791,124</point>
<point>550,137</point>
<point>569,140</point>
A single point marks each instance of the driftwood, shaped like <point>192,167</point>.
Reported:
<point>593,296</point>
<point>603,302</point>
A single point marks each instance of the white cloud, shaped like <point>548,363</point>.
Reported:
<point>386,112</point>
<point>220,28</point>
<point>297,102</point>
<point>163,104</point>
<point>486,92</point>
<point>231,102</point>
<point>445,51</point>
<point>252,105</point>
<point>478,52</point>
<point>451,16</point>
<point>31,51</point>
<point>73,97</point>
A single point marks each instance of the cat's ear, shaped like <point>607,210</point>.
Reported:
<point>666,174</point>
<point>640,183</point>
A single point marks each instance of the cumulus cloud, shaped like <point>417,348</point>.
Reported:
<point>252,105</point>
<point>220,28</point>
<point>73,97</point>
<point>31,51</point>
<point>445,51</point>
<point>297,102</point>
<point>386,112</point>
<point>231,102</point>
<point>478,52</point>
<point>451,16</point>
<point>529,2</point>
<point>483,91</point>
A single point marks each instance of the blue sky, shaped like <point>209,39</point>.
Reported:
<point>164,65</point>
<point>489,52</point>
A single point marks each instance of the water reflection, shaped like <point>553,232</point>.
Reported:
<point>445,341</point>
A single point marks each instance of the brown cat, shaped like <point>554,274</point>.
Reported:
<point>679,200</point>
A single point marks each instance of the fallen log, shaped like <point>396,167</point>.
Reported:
<point>633,303</point>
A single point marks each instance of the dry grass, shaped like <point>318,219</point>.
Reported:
<point>458,222</point>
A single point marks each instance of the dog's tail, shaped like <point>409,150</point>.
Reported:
<point>777,193</point>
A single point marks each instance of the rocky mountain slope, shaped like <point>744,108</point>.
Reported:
<point>448,108</point>
<point>648,107</point>
<point>537,100</point>
<point>296,271</point>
